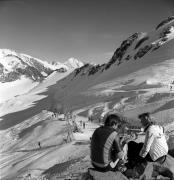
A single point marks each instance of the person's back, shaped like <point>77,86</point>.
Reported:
<point>105,147</point>
<point>102,144</point>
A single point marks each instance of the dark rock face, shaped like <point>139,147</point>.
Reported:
<point>29,72</point>
<point>33,72</point>
<point>83,69</point>
<point>95,69</point>
<point>12,76</point>
<point>162,37</point>
<point>61,70</point>
<point>1,68</point>
<point>156,46</point>
<point>141,41</point>
<point>165,32</point>
<point>142,51</point>
<point>40,67</point>
<point>128,57</point>
<point>165,21</point>
<point>119,53</point>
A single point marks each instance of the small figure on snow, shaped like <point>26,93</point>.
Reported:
<point>39,144</point>
<point>81,122</point>
<point>84,124</point>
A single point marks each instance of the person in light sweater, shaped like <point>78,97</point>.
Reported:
<point>154,150</point>
<point>155,146</point>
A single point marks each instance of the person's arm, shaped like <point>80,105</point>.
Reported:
<point>120,161</point>
<point>148,142</point>
<point>113,164</point>
<point>120,153</point>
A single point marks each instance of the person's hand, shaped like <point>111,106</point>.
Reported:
<point>120,166</point>
<point>142,154</point>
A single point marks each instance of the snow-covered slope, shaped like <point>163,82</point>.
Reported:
<point>18,70</point>
<point>143,58</point>
<point>11,89</point>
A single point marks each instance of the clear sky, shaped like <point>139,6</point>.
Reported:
<point>89,30</point>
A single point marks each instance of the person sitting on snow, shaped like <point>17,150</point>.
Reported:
<point>155,145</point>
<point>154,149</point>
<point>106,150</point>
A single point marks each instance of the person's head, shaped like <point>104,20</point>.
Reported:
<point>112,120</point>
<point>145,119</point>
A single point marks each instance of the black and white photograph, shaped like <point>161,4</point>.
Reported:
<point>86,89</point>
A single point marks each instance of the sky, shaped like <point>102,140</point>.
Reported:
<point>89,30</point>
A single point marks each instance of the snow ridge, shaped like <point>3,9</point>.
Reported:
<point>13,65</point>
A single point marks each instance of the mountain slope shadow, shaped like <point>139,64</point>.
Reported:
<point>15,118</point>
<point>168,105</point>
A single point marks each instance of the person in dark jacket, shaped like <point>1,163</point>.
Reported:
<point>106,150</point>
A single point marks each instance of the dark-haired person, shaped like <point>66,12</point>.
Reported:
<point>154,149</point>
<point>155,145</point>
<point>105,147</point>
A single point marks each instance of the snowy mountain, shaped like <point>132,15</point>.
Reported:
<point>24,72</point>
<point>13,65</point>
<point>136,47</point>
<point>73,63</point>
<point>141,61</point>
<point>70,64</point>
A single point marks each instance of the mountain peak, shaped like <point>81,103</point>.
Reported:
<point>73,63</point>
<point>14,65</point>
<point>5,52</point>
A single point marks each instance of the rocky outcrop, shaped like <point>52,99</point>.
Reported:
<point>95,69</point>
<point>142,51</point>
<point>82,70</point>
<point>29,72</point>
<point>110,175</point>
<point>171,18</point>
<point>141,41</point>
<point>119,53</point>
<point>166,32</point>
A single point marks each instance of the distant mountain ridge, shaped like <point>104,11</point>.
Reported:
<point>13,65</point>
<point>135,47</point>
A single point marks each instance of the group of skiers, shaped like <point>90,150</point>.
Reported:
<point>108,154</point>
